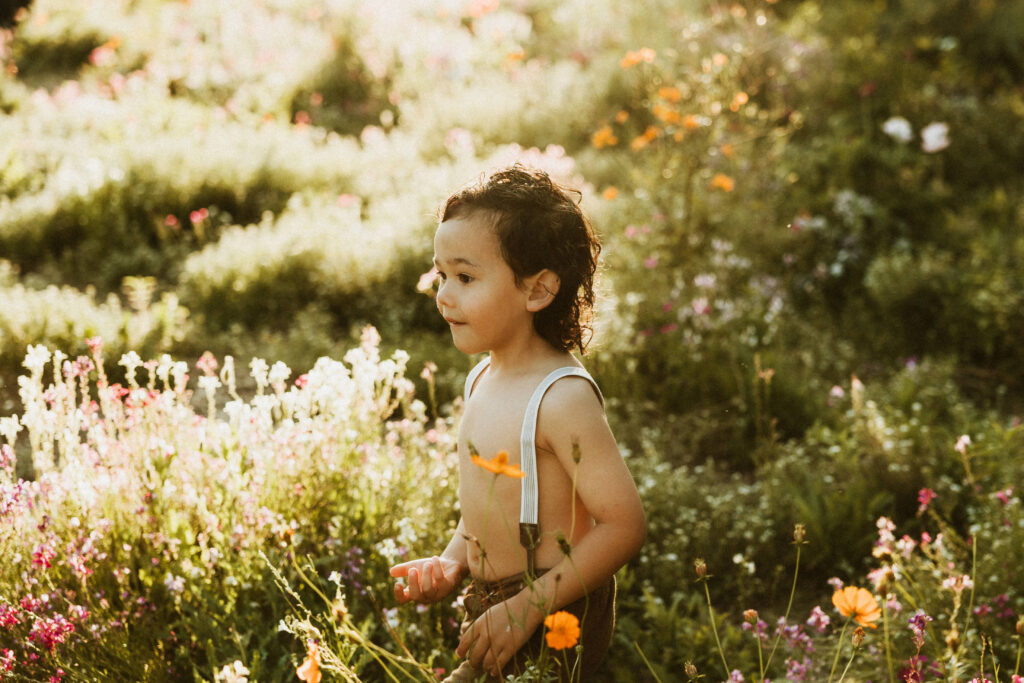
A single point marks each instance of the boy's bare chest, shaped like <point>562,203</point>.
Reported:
<point>493,422</point>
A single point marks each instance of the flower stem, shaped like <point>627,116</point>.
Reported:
<point>714,628</point>
<point>847,668</point>
<point>839,645</point>
<point>644,657</point>
<point>789,605</point>
<point>888,645</point>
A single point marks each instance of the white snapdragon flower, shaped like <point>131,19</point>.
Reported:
<point>258,368</point>
<point>131,362</point>
<point>279,373</point>
<point>36,358</point>
<point>899,129</point>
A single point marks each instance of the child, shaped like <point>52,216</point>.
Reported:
<point>516,260</point>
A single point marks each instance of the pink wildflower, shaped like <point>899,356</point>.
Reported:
<point>818,619</point>
<point>925,497</point>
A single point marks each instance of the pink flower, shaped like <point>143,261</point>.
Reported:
<point>1004,495</point>
<point>818,620</point>
<point>924,497</point>
<point>962,443</point>
<point>668,329</point>
<point>651,262</point>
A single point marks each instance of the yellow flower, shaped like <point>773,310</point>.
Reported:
<point>858,603</point>
<point>563,630</point>
<point>499,465</point>
<point>723,182</point>
<point>309,670</point>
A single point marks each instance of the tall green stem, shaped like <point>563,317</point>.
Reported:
<point>839,645</point>
<point>789,606</point>
<point>714,628</point>
<point>888,645</point>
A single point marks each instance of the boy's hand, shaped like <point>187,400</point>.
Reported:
<point>427,580</point>
<point>493,639</point>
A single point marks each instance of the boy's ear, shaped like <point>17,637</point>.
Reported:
<point>542,289</point>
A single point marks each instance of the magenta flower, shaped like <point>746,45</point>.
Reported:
<point>818,620</point>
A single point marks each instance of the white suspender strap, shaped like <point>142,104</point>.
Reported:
<point>473,375</point>
<point>528,440</point>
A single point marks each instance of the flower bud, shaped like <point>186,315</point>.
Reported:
<point>953,639</point>
<point>690,670</point>
<point>750,616</point>
<point>700,567</point>
<point>858,636</point>
<point>799,532</point>
<point>1020,626</point>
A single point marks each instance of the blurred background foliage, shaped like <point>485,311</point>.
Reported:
<point>798,199</point>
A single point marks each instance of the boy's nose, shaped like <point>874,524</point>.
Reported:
<point>442,299</point>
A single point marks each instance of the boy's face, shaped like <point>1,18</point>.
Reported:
<point>477,292</point>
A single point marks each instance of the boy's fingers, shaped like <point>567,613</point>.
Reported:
<point>400,594</point>
<point>400,569</point>
<point>414,584</point>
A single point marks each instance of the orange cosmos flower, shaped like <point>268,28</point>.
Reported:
<point>723,182</point>
<point>666,114</point>
<point>622,116</point>
<point>691,122</point>
<point>644,139</point>
<point>670,94</point>
<point>563,630</point>
<point>610,192</point>
<point>857,603</point>
<point>739,100</point>
<point>634,57</point>
<point>309,670</point>
<point>604,137</point>
<point>499,465</point>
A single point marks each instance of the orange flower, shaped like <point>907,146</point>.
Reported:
<point>604,137</point>
<point>666,114</point>
<point>563,630</point>
<point>644,139</point>
<point>634,57</point>
<point>728,150</point>
<point>622,116</point>
<point>498,465</point>
<point>719,59</point>
<point>669,94</point>
<point>691,122</point>
<point>723,182</point>
<point>309,670</point>
<point>857,603</point>
<point>610,192</point>
<point>739,100</point>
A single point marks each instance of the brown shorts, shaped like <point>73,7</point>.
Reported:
<point>596,612</point>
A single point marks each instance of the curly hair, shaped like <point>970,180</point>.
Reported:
<point>540,226</point>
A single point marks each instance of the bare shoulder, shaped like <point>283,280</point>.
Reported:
<point>572,413</point>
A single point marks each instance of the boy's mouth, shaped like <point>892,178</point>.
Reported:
<point>453,322</point>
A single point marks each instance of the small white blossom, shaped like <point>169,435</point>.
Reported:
<point>899,129</point>
<point>36,358</point>
<point>935,137</point>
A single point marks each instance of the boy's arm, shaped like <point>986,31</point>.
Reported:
<point>431,579</point>
<point>570,413</point>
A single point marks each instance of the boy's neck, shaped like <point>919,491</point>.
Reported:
<point>526,357</point>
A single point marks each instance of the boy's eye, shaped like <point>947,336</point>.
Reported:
<point>465,279</point>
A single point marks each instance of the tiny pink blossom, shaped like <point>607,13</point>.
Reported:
<point>651,262</point>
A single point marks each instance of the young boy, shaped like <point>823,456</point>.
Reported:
<point>516,260</point>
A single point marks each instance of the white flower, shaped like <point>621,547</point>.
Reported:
<point>9,428</point>
<point>279,373</point>
<point>935,137</point>
<point>899,129</point>
<point>258,367</point>
<point>36,357</point>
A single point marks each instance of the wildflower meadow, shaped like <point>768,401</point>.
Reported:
<point>228,404</point>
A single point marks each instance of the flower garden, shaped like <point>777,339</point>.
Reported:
<point>227,403</point>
